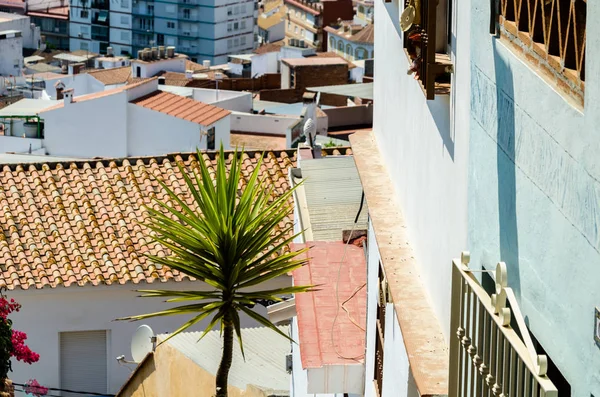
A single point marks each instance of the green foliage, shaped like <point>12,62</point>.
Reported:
<point>330,143</point>
<point>231,242</point>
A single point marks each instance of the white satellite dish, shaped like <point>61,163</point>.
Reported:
<point>141,343</point>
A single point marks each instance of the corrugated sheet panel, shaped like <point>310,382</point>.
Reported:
<point>333,191</point>
<point>265,356</point>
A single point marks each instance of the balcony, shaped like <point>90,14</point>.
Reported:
<point>99,33</point>
<point>187,34</point>
<point>101,18</point>
<point>100,4</point>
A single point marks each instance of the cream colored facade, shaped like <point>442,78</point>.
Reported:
<point>348,49</point>
<point>167,372</point>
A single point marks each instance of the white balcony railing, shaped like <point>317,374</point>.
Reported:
<point>487,356</point>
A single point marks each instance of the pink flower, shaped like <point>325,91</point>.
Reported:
<point>33,387</point>
<point>21,351</point>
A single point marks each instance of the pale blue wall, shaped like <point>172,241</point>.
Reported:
<point>534,195</point>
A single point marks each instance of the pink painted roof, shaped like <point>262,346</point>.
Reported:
<point>321,342</point>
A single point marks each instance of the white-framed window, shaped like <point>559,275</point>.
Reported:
<point>229,27</point>
<point>171,25</point>
<point>236,42</point>
<point>186,13</point>
<point>296,29</point>
<point>229,44</point>
<point>243,24</point>
<point>124,20</point>
<point>236,26</point>
<point>124,3</point>
<point>84,13</point>
<point>236,10</point>
<point>243,40</point>
<point>243,8</point>
<point>84,361</point>
<point>229,11</point>
<point>124,35</point>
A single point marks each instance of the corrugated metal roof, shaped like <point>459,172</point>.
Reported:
<point>333,191</point>
<point>265,353</point>
<point>361,90</point>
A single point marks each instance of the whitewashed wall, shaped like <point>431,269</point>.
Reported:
<point>265,63</point>
<point>48,312</point>
<point>230,100</point>
<point>149,69</point>
<point>425,150</point>
<point>88,128</point>
<point>19,145</point>
<point>265,124</point>
<point>11,60</point>
<point>31,36</point>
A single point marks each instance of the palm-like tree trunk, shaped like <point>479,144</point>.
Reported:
<point>226,359</point>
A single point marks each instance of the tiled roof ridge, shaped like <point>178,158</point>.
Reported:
<point>148,160</point>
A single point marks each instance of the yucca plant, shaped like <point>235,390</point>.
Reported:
<point>230,240</point>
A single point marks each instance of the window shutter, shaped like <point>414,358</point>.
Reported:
<point>83,362</point>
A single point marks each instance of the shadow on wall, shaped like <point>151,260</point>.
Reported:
<point>440,112</point>
<point>506,169</point>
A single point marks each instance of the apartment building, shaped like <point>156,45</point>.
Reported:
<point>351,41</point>
<point>203,30</point>
<point>306,20</point>
<point>481,179</point>
<point>96,25</point>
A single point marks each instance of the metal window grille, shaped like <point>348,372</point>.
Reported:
<point>555,31</point>
<point>487,356</point>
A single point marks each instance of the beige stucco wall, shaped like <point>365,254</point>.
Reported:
<point>169,373</point>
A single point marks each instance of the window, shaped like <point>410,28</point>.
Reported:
<point>243,24</point>
<point>229,11</point>
<point>243,8</point>
<point>236,26</point>
<point>84,45</point>
<point>427,45</point>
<point>160,39</point>
<point>84,13</point>
<point>360,53</point>
<point>236,10</point>
<point>331,44</point>
<point>361,9</point>
<point>84,30</point>
<point>210,139</point>
<point>340,46</point>
<point>229,44</point>
<point>150,10</point>
<point>229,25</point>
<point>138,71</point>
<point>186,13</point>
<point>554,36</point>
<point>124,36</point>
<point>289,26</point>
<point>171,25</point>
<point>243,40</point>
<point>236,42</point>
<point>349,50</point>
<point>84,361</point>
<point>298,14</point>
<point>304,15</point>
<point>124,3</point>
<point>296,29</point>
<point>124,20</point>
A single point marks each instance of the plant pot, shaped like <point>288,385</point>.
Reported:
<point>6,388</point>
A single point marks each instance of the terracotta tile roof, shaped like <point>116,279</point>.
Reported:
<point>332,55</point>
<point>269,47</point>
<point>112,76</point>
<point>257,141</point>
<point>174,78</point>
<point>76,223</point>
<point>315,61</point>
<point>268,22</point>
<point>182,107</point>
<point>366,35</point>
<point>318,7</point>
<point>317,310</point>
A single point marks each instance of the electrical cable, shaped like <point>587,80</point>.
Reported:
<point>69,391</point>
<point>337,292</point>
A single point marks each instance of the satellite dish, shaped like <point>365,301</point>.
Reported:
<point>407,18</point>
<point>141,343</point>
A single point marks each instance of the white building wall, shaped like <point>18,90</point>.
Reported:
<point>426,151</point>
<point>88,129</point>
<point>83,84</point>
<point>265,124</point>
<point>151,133</point>
<point>230,100</point>
<point>48,312</point>
<point>149,69</point>
<point>31,35</point>
<point>265,63</point>
<point>11,56</point>
<point>18,144</point>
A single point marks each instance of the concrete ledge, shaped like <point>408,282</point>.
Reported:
<point>421,331</point>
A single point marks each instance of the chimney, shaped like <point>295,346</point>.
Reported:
<point>109,52</point>
<point>68,96</point>
<point>189,74</point>
<point>161,80</point>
